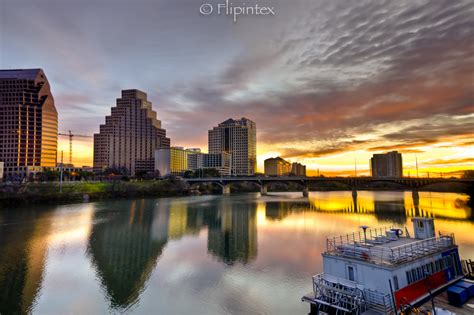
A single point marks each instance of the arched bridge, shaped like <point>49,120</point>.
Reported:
<point>352,182</point>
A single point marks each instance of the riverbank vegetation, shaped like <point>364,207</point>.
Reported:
<point>52,192</point>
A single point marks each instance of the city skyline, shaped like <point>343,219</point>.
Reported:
<point>324,81</point>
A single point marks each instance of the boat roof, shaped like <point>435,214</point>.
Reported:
<point>384,246</point>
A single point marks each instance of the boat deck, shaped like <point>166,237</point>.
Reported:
<point>442,304</point>
<point>379,248</point>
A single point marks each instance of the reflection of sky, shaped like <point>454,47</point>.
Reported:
<point>324,80</point>
<point>187,277</point>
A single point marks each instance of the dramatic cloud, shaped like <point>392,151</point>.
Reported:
<point>320,78</point>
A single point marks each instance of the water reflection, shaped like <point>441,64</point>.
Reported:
<point>124,250</point>
<point>126,242</point>
<point>394,206</point>
<point>23,251</point>
<point>232,235</point>
<point>209,249</point>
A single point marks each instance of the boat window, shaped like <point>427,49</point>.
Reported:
<point>455,263</point>
<point>350,272</point>
<point>409,277</point>
<point>420,224</point>
<point>395,283</point>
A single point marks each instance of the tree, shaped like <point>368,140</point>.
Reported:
<point>188,174</point>
<point>208,172</point>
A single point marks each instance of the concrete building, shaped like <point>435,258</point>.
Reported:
<point>130,135</point>
<point>219,161</point>
<point>28,122</point>
<point>172,161</point>
<point>177,160</point>
<point>298,169</point>
<point>239,139</point>
<point>387,165</point>
<point>277,167</point>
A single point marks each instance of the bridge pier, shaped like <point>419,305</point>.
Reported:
<point>354,193</point>
<point>305,192</point>
<point>226,189</point>
<point>416,197</point>
<point>264,190</point>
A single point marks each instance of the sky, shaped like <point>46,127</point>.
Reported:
<point>328,83</point>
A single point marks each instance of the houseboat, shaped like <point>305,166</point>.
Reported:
<point>384,270</point>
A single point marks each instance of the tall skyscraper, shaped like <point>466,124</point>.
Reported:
<point>130,135</point>
<point>239,139</point>
<point>387,165</point>
<point>28,122</point>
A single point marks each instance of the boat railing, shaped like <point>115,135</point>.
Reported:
<point>344,294</point>
<point>378,301</point>
<point>368,251</point>
<point>370,235</point>
<point>413,250</point>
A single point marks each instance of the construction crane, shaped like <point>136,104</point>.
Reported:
<point>71,135</point>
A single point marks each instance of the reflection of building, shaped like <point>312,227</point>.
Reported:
<point>239,139</point>
<point>277,210</point>
<point>298,169</point>
<point>233,233</point>
<point>130,135</point>
<point>23,254</point>
<point>182,220</point>
<point>391,210</point>
<point>124,249</point>
<point>277,167</point>
<point>387,165</point>
<point>28,122</point>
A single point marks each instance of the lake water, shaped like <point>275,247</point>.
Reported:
<point>240,254</point>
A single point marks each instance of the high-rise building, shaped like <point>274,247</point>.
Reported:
<point>131,134</point>
<point>28,122</point>
<point>277,167</point>
<point>387,165</point>
<point>239,139</point>
<point>298,169</point>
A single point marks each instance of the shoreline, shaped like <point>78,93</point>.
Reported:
<point>17,195</point>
